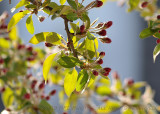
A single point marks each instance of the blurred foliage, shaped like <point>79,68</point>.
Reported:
<point>73,64</point>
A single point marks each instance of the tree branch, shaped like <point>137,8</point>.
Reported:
<point>70,41</point>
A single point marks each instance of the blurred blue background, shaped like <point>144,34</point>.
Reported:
<point>127,54</point>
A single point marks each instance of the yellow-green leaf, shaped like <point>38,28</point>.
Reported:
<point>7,97</point>
<point>103,90</point>
<point>156,52</point>
<point>62,1</point>
<point>45,107</point>
<point>70,81</point>
<point>4,43</point>
<point>47,65</point>
<point>127,110</point>
<point>109,107</point>
<point>20,4</point>
<point>29,24</point>
<point>13,34</point>
<point>16,18</point>
<point>50,37</point>
<point>82,80</point>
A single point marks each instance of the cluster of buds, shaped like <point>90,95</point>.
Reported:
<point>37,89</point>
<point>100,29</point>
<point>29,49</point>
<point>3,70</point>
<point>103,71</point>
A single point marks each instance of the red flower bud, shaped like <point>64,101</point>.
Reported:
<point>107,69</point>
<point>29,48</point>
<point>144,4</point>
<point>30,58</point>
<point>158,41</point>
<point>130,82</point>
<point>1,61</point>
<point>102,54</point>
<point>20,10</point>
<point>100,61</point>
<point>53,92</point>
<point>106,73</point>
<point>108,24</point>
<point>3,26</point>
<point>27,96</point>
<point>2,89</point>
<point>41,86</point>
<point>4,70</point>
<point>102,32</point>
<point>48,97</point>
<point>99,3</point>
<point>82,28</point>
<point>158,16</point>
<point>106,40</point>
<point>41,18</point>
<point>95,72</point>
<point>21,46</point>
<point>48,44</point>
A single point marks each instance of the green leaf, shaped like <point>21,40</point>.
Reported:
<point>21,3</point>
<point>72,16</point>
<point>70,81</point>
<point>138,85</point>
<point>53,38</point>
<point>72,3</point>
<point>65,10</point>
<point>75,27</point>
<point>86,19</point>
<point>90,36</point>
<point>29,24</point>
<point>45,107</point>
<point>157,35</point>
<point>46,2</point>
<point>82,80</point>
<point>40,37</point>
<point>50,37</point>
<point>109,107</point>
<point>91,80</point>
<point>62,1</point>
<point>47,65</point>
<point>68,62</point>
<point>7,97</point>
<point>103,90</point>
<point>156,52</point>
<point>133,4</point>
<point>89,46</point>
<point>16,18</point>
<point>127,110</point>
<point>146,33</point>
<point>9,76</point>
